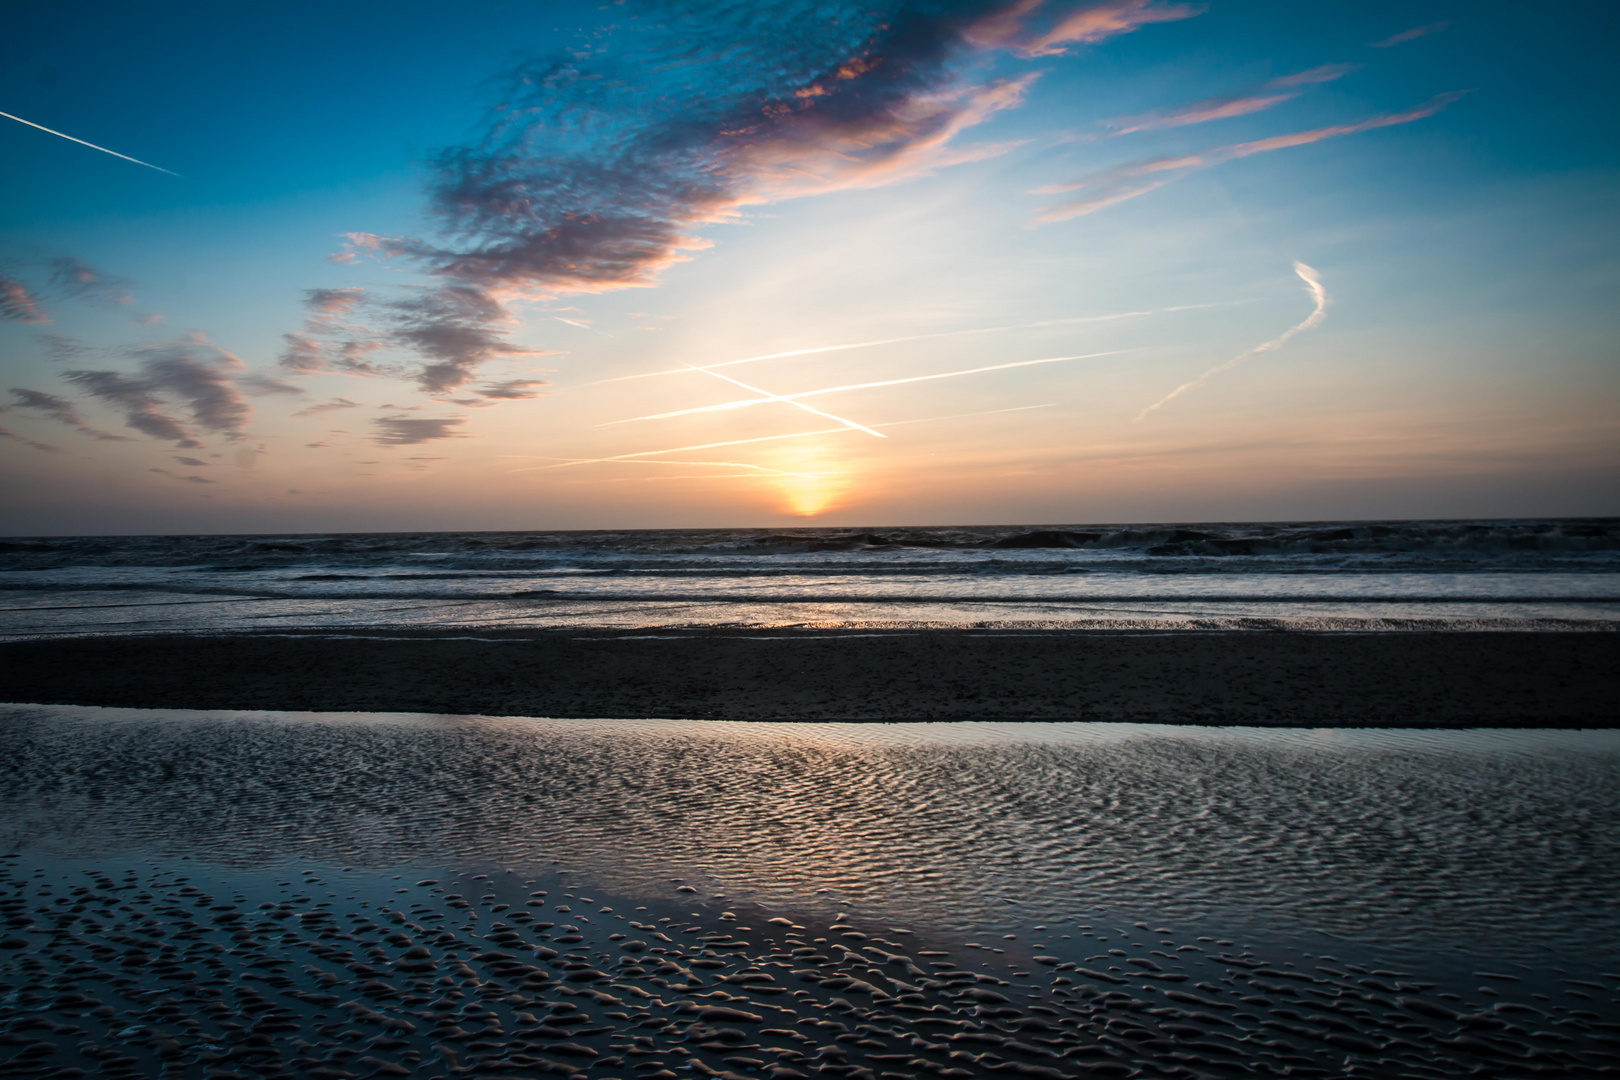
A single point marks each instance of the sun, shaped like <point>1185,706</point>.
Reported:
<point>808,484</point>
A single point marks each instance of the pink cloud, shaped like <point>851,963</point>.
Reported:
<point>1268,94</point>
<point>1410,35</point>
<point>1099,22</point>
<point>1128,181</point>
<point>17,304</point>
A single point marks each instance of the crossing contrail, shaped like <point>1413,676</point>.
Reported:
<point>792,399</point>
<point>912,337</point>
<point>1313,283</point>
<point>769,438</point>
<point>91,145</point>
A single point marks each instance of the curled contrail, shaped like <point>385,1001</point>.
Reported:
<point>91,145</point>
<point>792,398</point>
<point>790,401</point>
<point>1313,283</point>
<point>770,438</point>
<point>912,337</point>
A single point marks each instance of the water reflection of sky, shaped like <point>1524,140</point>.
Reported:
<point>1396,837</point>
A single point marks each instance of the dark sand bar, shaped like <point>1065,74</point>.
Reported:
<point>1409,678</point>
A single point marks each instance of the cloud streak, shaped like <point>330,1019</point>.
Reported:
<point>44,448</point>
<point>17,304</point>
<point>193,374</point>
<point>61,410</point>
<point>75,278</point>
<point>1128,181</point>
<point>1410,35</point>
<point>1313,285</point>
<point>598,170</point>
<point>335,405</point>
<point>455,328</point>
<point>1265,96</point>
<point>415,430</point>
<point>1086,25</point>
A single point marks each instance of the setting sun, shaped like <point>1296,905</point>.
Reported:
<point>809,484</point>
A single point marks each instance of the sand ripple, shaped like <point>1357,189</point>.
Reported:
<point>349,896</point>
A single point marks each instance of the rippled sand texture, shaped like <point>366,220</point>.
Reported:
<point>1510,840</point>
<point>159,973</point>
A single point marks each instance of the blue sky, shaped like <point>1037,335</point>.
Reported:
<point>377,298</point>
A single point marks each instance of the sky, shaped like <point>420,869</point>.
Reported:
<point>373,266</point>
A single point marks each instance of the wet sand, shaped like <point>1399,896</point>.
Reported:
<point>170,971</point>
<point>1411,678</point>
<point>228,897</point>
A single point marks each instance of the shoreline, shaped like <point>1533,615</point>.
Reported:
<point>1409,678</point>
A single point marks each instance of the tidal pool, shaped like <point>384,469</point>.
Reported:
<point>216,894</point>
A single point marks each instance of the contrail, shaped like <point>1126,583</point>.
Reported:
<point>682,449</point>
<point>91,145</point>
<point>770,438</point>
<point>680,476</point>
<point>791,398</point>
<point>789,401</point>
<point>913,337</point>
<point>712,464</point>
<point>1313,283</point>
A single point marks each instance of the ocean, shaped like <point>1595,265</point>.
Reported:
<point>1309,575</point>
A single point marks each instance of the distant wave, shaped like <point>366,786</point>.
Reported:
<point>1468,543</point>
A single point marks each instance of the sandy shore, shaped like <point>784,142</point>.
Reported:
<point>1411,678</point>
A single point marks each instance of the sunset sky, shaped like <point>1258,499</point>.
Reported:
<point>404,266</point>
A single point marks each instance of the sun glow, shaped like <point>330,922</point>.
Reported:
<point>808,485</point>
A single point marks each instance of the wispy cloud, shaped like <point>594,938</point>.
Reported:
<point>17,304</point>
<point>46,448</point>
<point>414,430</point>
<point>1258,99</point>
<point>194,374</point>
<point>1410,35</point>
<point>1099,22</point>
<point>335,405</point>
<point>512,390</point>
<point>1128,181</point>
<point>599,170</point>
<point>59,409</point>
<point>332,301</point>
<point>73,277</point>
<point>64,348</point>
<point>1319,296</point>
<point>193,479</point>
<point>455,328</point>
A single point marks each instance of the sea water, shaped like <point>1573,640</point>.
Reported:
<point>1468,575</point>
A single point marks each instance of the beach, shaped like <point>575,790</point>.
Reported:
<point>1142,803</point>
<point>337,895</point>
<point>1411,677</point>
